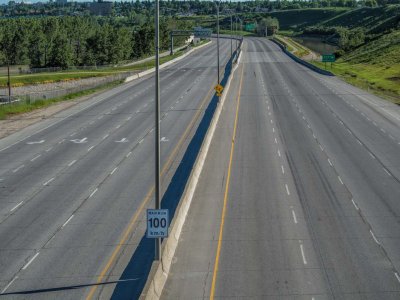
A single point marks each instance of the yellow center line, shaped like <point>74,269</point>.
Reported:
<point>135,217</point>
<point>221,228</point>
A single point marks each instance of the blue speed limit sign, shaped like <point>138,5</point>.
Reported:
<point>157,223</point>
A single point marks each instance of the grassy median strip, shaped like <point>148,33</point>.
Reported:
<point>26,106</point>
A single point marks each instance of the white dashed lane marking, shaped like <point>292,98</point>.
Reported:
<point>30,261</point>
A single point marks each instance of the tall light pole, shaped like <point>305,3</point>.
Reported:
<point>231,34</point>
<point>217,4</point>
<point>157,129</point>
<point>8,82</point>
<point>237,33</point>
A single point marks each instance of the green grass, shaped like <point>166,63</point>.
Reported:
<point>380,80</point>
<point>25,105</point>
<point>374,67</point>
<point>51,77</point>
<point>374,20</point>
<point>299,18</point>
<point>292,46</point>
<point>240,32</point>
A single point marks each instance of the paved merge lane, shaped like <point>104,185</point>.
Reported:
<point>310,212</point>
<point>69,191</point>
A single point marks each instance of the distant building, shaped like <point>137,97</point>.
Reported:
<point>101,8</point>
<point>61,1</point>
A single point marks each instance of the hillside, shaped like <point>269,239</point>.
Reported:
<point>299,18</point>
<point>369,40</point>
<point>373,20</point>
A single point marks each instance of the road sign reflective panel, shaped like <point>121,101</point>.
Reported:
<point>219,88</point>
<point>328,58</point>
<point>157,223</point>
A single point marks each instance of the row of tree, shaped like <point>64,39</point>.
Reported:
<point>80,41</point>
<point>174,7</point>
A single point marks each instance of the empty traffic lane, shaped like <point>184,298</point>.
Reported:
<point>73,188</point>
<point>282,216</point>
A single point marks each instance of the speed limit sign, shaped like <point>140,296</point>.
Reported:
<point>157,223</point>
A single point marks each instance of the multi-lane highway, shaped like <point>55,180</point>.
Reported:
<point>74,187</point>
<point>299,197</point>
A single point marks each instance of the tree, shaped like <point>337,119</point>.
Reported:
<point>270,24</point>
<point>61,51</point>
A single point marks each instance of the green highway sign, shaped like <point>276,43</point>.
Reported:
<point>328,58</point>
<point>249,26</point>
<point>202,32</point>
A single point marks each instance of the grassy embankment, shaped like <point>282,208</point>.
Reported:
<point>374,65</point>
<point>292,46</point>
<point>26,106</point>
<point>51,77</point>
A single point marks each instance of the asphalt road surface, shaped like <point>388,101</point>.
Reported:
<point>73,188</point>
<point>299,197</point>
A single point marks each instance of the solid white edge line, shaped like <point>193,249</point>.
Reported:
<point>72,162</point>
<point>16,206</point>
<point>9,284</point>
<point>373,236</point>
<point>397,276</point>
<point>387,172</point>
<point>302,254</point>
<point>36,157</point>
<point>48,181</point>
<point>30,261</point>
<point>355,205</point>
<point>66,222</point>
<point>19,168</point>
<point>94,192</point>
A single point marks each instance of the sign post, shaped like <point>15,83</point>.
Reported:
<point>328,58</point>
<point>157,223</point>
<point>219,88</point>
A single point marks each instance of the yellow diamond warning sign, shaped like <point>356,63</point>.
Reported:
<point>219,88</point>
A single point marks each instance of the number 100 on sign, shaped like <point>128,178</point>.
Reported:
<point>157,223</point>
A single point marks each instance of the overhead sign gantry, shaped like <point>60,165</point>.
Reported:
<point>197,32</point>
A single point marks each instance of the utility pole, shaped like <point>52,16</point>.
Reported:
<point>157,131</point>
<point>8,82</point>
<point>231,35</point>
<point>237,33</point>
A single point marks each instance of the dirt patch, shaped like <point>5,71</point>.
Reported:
<point>15,123</point>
